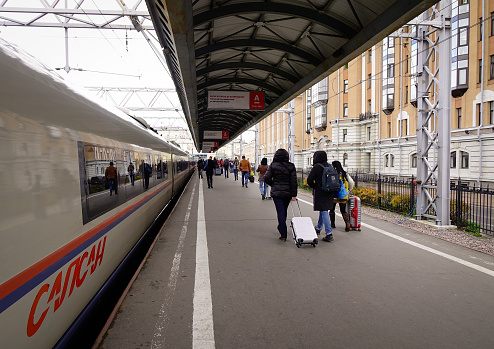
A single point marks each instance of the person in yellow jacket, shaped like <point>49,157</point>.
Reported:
<point>244,166</point>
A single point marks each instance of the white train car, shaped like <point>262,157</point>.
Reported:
<point>61,233</point>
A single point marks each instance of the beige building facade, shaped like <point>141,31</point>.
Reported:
<point>365,113</point>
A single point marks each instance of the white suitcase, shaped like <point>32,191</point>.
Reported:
<point>303,230</point>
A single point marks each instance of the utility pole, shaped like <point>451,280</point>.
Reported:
<point>291,128</point>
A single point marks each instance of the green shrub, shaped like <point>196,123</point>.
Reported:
<point>464,211</point>
<point>472,229</point>
<point>401,203</point>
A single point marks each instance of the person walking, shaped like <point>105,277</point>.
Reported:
<point>348,183</point>
<point>131,170</point>
<point>200,167</point>
<point>322,200</point>
<point>226,167</point>
<point>209,167</point>
<point>111,178</point>
<point>281,175</point>
<point>262,168</point>
<point>235,168</point>
<point>245,168</point>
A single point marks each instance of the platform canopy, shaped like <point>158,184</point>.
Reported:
<point>279,47</point>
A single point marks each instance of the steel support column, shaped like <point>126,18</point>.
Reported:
<point>433,116</point>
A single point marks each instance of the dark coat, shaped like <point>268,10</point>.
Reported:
<point>323,201</point>
<point>282,176</point>
<point>211,166</point>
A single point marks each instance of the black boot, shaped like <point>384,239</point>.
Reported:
<point>332,219</point>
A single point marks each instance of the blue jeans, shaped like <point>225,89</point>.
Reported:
<point>324,219</point>
<point>245,177</point>
<point>235,172</point>
<point>112,183</point>
<point>262,187</point>
<point>281,205</point>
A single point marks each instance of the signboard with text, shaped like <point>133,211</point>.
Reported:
<point>206,145</point>
<point>216,135</point>
<point>235,100</point>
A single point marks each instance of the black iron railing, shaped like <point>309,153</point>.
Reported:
<point>471,205</point>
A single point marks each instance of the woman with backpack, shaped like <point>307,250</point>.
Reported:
<point>348,183</point>
<point>323,200</point>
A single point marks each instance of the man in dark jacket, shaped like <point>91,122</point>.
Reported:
<point>323,201</point>
<point>209,167</point>
<point>282,177</point>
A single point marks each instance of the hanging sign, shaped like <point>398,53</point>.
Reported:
<point>207,145</point>
<point>216,135</point>
<point>235,100</point>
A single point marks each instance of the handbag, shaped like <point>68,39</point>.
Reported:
<point>342,193</point>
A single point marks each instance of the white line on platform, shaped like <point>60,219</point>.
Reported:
<point>158,337</point>
<point>425,248</point>
<point>202,325</point>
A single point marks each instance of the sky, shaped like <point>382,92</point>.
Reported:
<point>97,57</point>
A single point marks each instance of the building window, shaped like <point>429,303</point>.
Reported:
<point>452,163</point>
<point>464,159</point>
<point>345,86</point>
<point>389,160</point>
<point>389,129</point>
<point>345,109</point>
<point>479,114</point>
<point>481,26</point>
<point>391,70</point>
<point>406,64</point>
<point>491,113</point>
<point>369,105</point>
<point>492,23</point>
<point>480,70</point>
<point>308,120</point>
<point>345,159</point>
<point>458,116</point>
<point>414,160</point>
<point>370,55</point>
<point>345,135</point>
<point>406,94</point>
<point>404,125</point>
<point>369,80</point>
<point>491,75</point>
<point>369,133</point>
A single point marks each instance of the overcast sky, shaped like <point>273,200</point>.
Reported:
<point>106,57</point>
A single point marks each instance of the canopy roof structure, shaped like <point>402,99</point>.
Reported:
<point>279,47</point>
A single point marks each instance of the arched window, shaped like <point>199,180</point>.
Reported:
<point>464,159</point>
<point>414,160</point>
<point>345,159</point>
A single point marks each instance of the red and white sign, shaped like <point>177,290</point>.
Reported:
<point>235,100</point>
<point>206,145</point>
<point>216,135</point>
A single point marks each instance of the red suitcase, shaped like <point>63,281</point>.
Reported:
<point>355,212</point>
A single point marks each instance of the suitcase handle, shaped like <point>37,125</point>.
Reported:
<point>293,213</point>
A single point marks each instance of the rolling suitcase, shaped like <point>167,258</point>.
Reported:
<point>217,171</point>
<point>303,230</point>
<point>354,212</point>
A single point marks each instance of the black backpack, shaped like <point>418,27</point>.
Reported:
<point>330,180</point>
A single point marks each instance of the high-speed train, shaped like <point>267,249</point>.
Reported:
<point>61,233</point>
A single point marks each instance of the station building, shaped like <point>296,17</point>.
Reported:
<point>365,113</point>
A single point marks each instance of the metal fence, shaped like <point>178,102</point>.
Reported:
<point>471,206</point>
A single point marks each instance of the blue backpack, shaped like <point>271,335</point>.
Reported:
<point>330,180</point>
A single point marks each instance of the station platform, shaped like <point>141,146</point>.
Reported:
<point>219,277</point>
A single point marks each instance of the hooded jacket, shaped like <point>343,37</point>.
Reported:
<point>282,176</point>
<point>323,201</point>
